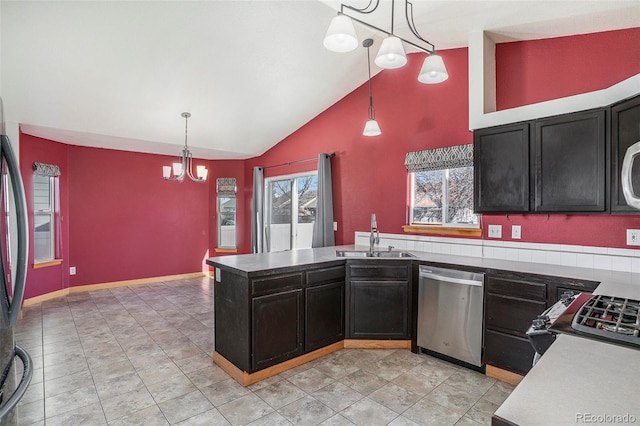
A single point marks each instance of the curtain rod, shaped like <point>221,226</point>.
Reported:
<point>333,154</point>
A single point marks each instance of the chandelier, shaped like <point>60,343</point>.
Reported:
<point>185,166</point>
<point>341,37</point>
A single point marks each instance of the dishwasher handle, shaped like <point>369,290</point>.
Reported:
<point>449,276</point>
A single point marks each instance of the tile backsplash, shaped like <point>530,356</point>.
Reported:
<point>614,259</point>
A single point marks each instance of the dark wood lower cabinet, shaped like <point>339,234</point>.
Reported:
<point>508,351</point>
<point>324,315</point>
<point>379,310</point>
<point>277,331</point>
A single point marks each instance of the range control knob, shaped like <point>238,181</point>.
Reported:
<point>567,297</point>
<point>541,322</point>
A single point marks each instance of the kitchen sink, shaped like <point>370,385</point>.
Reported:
<point>366,253</point>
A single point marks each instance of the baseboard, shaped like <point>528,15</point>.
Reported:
<point>246,379</point>
<point>102,286</point>
<point>504,375</point>
<point>377,344</point>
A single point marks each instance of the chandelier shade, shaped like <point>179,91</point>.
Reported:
<point>341,36</point>
<point>433,70</point>
<point>391,54</point>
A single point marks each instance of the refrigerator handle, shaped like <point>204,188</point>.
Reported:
<point>23,240</point>
<point>27,374</point>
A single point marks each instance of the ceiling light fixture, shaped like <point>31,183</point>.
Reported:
<point>341,37</point>
<point>371,127</point>
<point>185,165</point>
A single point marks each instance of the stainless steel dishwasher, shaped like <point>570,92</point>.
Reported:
<point>450,313</point>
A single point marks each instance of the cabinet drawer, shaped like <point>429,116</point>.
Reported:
<point>319,276</point>
<point>508,352</point>
<point>511,314</point>
<point>277,283</point>
<point>379,272</point>
<point>515,288</point>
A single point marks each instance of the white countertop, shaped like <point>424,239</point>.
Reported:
<point>577,381</point>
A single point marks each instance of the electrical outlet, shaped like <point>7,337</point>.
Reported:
<point>633,237</point>
<point>72,270</point>
<point>515,232</point>
<point>335,226</point>
<point>495,231</point>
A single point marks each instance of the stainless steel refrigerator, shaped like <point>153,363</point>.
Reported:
<point>13,268</point>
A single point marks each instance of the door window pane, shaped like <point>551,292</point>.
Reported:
<point>279,214</point>
<point>307,191</point>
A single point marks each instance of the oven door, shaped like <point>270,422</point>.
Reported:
<point>630,190</point>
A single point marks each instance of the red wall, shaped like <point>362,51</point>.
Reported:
<point>533,71</point>
<point>32,149</point>
<point>126,222</point>
<point>369,176</point>
<point>368,172</point>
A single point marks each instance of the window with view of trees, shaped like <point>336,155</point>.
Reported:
<point>443,197</point>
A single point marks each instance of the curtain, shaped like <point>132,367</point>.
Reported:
<point>44,169</point>
<point>257,211</point>
<point>440,158</point>
<point>226,187</point>
<point>323,226</point>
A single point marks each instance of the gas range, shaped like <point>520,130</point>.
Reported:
<point>607,318</point>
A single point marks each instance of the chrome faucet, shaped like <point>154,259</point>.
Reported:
<point>374,238</point>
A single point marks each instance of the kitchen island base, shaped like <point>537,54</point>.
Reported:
<point>246,379</point>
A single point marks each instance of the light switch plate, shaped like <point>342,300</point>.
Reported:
<point>72,270</point>
<point>495,231</point>
<point>515,232</point>
<point>335,226</point>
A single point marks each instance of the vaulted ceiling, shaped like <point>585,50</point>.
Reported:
<point>118,74</point>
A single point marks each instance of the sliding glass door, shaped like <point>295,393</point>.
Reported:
<point>290,211</point>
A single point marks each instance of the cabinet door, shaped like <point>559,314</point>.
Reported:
<point>276,328</point>
<point>570,163</point>
<point>508,352</point>
<point>501,169</point>
<point>625,131</point>
<point>379,310</point>
<point>324,315</point>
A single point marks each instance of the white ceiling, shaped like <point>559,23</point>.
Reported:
<point>117,74</point>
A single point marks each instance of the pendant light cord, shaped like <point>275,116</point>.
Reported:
<point>372,113</point>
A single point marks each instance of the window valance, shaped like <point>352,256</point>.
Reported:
<point>440,158</point>
<point>226,187</point>
<point>44,169</point>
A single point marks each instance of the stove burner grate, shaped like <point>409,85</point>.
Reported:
<point>609,317</point>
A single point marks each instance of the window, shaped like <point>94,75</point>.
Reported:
<point>441,191</point>
<point>290,211</point>
<point>226,208</point>
<point>443,197</point>
<point>43,206</point>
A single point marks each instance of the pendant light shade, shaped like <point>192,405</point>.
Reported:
<point>391,54</point>
<point>371,128</point>
<point>433,70</point>
<point>341,36</point>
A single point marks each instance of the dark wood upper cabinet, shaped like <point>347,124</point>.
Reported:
<point>501,168</point>
<point>625,131</point>
<point>570,163</point>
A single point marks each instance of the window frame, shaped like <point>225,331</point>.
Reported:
<point>50,213</point>
<point>235,221</point>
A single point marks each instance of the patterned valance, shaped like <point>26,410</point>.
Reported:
<point>440,158</point>
<point>43,169</point>
<point>226,187</point>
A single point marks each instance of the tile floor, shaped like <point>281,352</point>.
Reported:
<point>141,355</point>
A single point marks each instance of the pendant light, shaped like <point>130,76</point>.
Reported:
<point>185,166</point>
<point>371,127</point>
<point>433,70</point>
<point>341,37</point>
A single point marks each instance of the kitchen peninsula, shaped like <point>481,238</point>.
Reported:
<point>274,311</point>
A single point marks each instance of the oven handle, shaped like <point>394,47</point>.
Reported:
<point>27,374</point>
<point>626,176</point>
